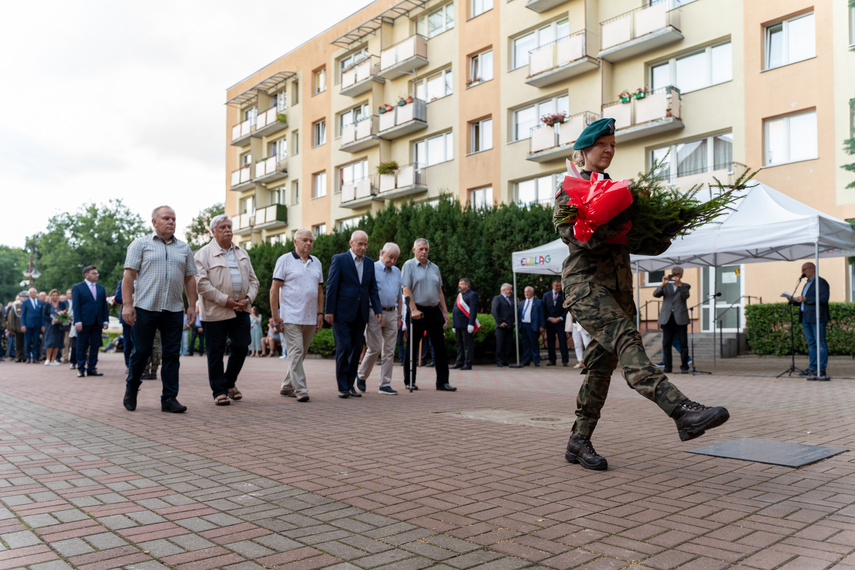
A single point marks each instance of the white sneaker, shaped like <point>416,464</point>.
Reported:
<point>54,363</point>
<point>47,363</point>
<point>283,357</point>
<point>577,365</point>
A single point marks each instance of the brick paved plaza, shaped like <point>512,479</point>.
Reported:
<point>413,481</point>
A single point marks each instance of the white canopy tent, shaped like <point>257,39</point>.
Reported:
<point>765,225</point>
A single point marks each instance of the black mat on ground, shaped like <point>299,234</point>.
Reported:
<point>768,451</point>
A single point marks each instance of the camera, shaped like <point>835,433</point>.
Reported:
<point>671,277</point>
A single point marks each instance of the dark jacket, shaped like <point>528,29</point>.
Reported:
<point>345,296</point>
<point>674,302</point>
<point>809,293</point>
<point>32,316</point>
<point>554,309</point>
<point>458,319</point>
<point>538,317</point>
<point>89,311</point>
<point>502,311</point>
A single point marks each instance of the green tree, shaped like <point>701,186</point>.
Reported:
<point>13,262</point>
<point>94,235</point>
<point>197,232</point>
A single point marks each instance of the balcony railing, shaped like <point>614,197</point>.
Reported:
<point>638,31</point>
<point>359,136</point>
<point>242,179</point>
<point>551,143</point>
<point>656,113</point>
<point>242,132</point>
<point>404,57</point>
<point>243,223</point>
<point>408,179</point>
<point>359,78</point>
<point>270,122</point>
<point>270,170</point>
<point>541,6</point>
<point>271,216</point>
<point>358,193</point>
<point>403,120</point>
<point>562,59</point>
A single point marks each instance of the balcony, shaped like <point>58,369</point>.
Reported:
<point>404,57</point>
<point>242,132</point>
<point>358,193</point>
<point>552,143</point>
<point>360,136</point>
<point>275,215</point>
<point>638,31</point>
<point>242,179</point>
<point>562,59</point>
<point>541,6</point>
<point>408,180</point>
<point>656,113</point>
<point>403,120</point>
<point>270,122</point>
<point>361,77</point>
<point>270,170</point>
<point>242,224</point>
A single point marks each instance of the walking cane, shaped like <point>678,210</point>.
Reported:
<point>411,377</point>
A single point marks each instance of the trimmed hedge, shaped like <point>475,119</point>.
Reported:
<point>768,329</point>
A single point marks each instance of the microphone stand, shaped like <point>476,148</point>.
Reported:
<point>694,370</point>
<point>789,371</point>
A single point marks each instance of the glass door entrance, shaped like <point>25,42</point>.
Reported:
<point>729,307</point>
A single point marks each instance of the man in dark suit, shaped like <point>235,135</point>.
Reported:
<point>351,293</point>
<point>502,310</point>
<point>553,303</point>
<point>807,316</point>
<point>532,320</point>
<point>464,320</point>
<point>674,317</point>
<point>32,324</point>
<point>89,303</point>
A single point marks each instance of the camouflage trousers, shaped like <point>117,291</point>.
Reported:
<point>609,317</point>
<point>154,360</point>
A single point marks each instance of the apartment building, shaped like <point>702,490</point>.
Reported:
<point>451,96</point>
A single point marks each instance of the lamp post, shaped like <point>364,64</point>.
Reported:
<point>32,272</point>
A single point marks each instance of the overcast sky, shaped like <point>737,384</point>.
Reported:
<point>106,99</point>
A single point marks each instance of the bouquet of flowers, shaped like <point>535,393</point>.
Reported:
<point>62,317</point>
<point>656,213</point>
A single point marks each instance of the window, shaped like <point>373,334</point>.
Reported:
<point>295,143</point>
<point>434,86</point>
<point>344,225</point>
<point>319,184</point>
<point>319,230</point>
<point>278,149</point>
<point>346,63</point>
<point>247,205</point>
<point>653,278</point>
<point>295,192</point>
<point>319,133</point>
<point>695,71</point>
<point>245,159</point>
<point>436,22</point>
<point>481,197</point>
<point>251,115</point>
<point>480,67</point>
<point>790,41</point>
<point>320,83</point>
<point>539,190</point>
<point>280,100</point>
<point>481,135</point>
<point>277,195</point>
<point>537,38</point>
<point>352,116</point>
<point>481,6</point>
<point>790,138</point>
<point>295,93</point>
<point>852,26</point>
<point>528,117</point>
<point>694,157</point>
<point>434,150</point>
<point>278,238</point>
<point>351,173</point>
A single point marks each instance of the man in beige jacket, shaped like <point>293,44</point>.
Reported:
<point>227,285</point>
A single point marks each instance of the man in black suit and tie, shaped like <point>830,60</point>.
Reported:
<point>503,315</point>
<point>351,293</point>
<point>32,324</point>
<point>89,304</point>
<point>464,320</point>
<point>553,303</point>
<point>674,317</point>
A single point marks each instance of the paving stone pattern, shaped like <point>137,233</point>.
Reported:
<point>398,482</point>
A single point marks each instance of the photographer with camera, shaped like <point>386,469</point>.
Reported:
<point>674,317</point>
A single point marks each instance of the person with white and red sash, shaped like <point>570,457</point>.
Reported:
<point>465,323</point>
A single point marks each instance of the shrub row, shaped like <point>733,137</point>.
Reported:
<point>768,329</point>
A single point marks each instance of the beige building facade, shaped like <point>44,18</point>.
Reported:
<point>451,96</point>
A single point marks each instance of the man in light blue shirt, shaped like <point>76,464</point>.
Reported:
<point>381,337</point>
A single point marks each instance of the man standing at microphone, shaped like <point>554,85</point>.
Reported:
<point>807,316</point>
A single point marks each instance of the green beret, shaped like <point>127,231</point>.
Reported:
<point>592,132</point>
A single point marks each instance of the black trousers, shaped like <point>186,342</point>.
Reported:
<point>552,331</point>
<point>349,337</point>
<point>465,347</point>
<point>194,332</point>
<point>170,324</point>
<point>128,335</point>
<point>88,344</point>
<point>216,332</point>
<point>504,342</point>
<point>432,324</point>
<point>669,331</point>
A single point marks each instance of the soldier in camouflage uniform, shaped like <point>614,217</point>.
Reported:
<point>150,370</point>
<point>597,282</point>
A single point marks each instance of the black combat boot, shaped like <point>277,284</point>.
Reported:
<point>580,450</point>
<point>693,419</point>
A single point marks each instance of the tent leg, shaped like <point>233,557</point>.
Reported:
<point>713,314</point>
<point>516,324</point>
<point>816,290</point>
<point>637,298</point>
